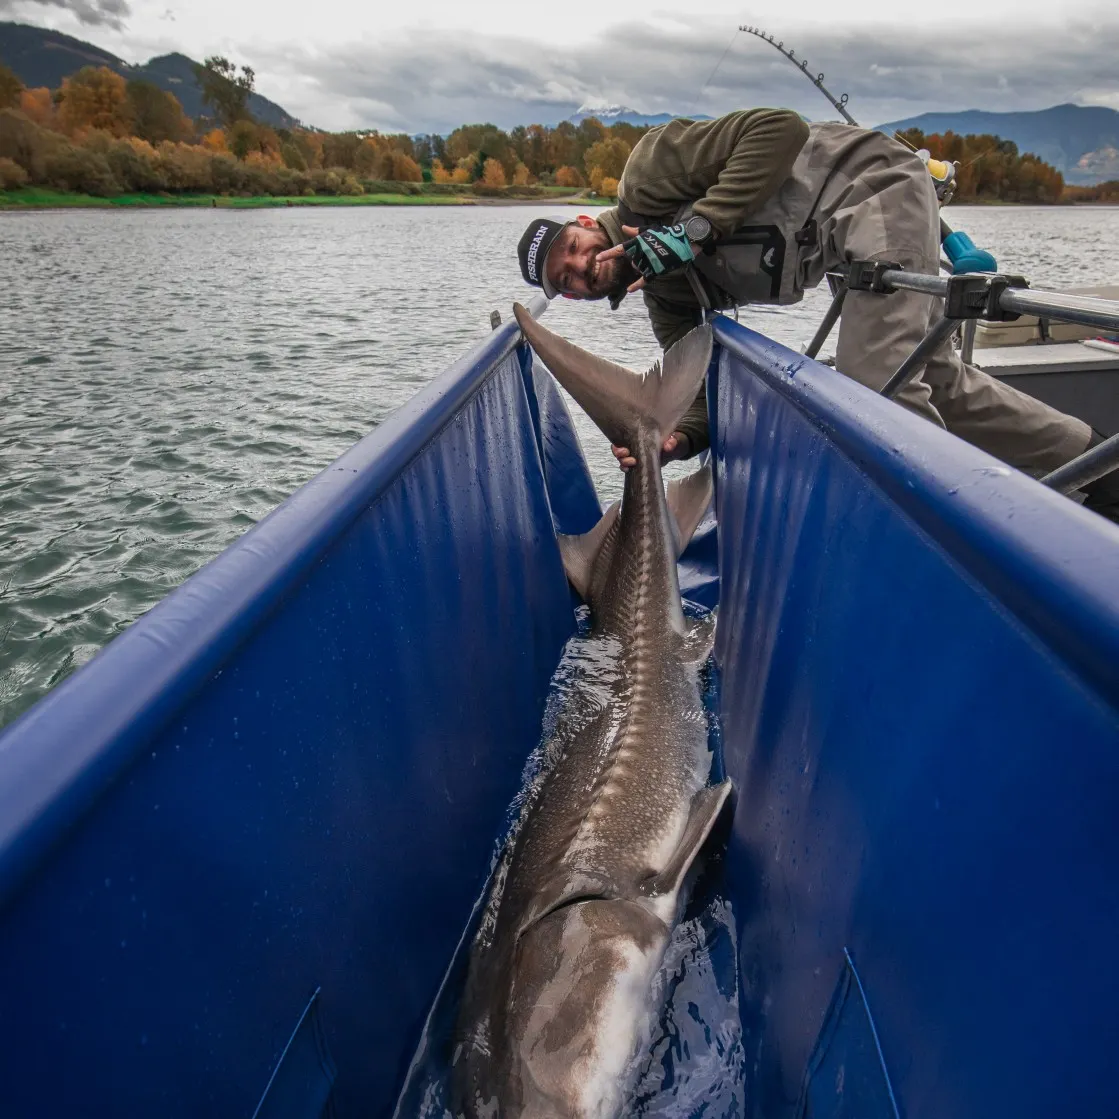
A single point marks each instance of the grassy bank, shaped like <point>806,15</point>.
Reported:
<point>40,198</point>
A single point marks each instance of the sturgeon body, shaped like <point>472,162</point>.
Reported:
<point>559,995</point>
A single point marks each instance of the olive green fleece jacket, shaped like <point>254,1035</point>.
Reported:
<point>725,169</point>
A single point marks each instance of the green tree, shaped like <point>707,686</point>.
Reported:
<point>10,88</point>
<point>243,138</point>
<point>224,90</point>
<point>292,156</point>
<point>156,115</point>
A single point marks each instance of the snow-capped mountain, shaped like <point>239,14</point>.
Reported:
<point>621,114</point>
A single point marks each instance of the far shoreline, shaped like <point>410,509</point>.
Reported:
<point>33,198</point>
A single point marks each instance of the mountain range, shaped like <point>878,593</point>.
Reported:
<point>41,57</point>
<point>1081,141</point>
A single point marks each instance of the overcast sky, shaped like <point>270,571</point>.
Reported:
<point>430,65</point>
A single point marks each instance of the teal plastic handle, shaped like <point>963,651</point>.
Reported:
<point>963,255</point>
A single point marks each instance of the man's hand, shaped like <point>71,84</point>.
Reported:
<point>658,250</point>
<point>676,446</point>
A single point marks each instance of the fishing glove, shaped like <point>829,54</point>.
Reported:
<point>659,249</point>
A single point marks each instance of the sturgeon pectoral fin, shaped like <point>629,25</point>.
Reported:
<point>580,552</point>
<point>707,805</point>
<point>688,499</point>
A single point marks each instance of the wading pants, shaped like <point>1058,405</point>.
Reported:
<point>878,332</point>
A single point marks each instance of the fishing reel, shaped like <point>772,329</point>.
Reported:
<point>943,172</point>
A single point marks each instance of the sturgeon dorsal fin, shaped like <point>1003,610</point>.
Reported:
<point>707,805</point>
<point>580,552</point>
<point>616,398</point>
<point>688,500</point>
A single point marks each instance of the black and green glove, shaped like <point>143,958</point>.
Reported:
<point>659,249</point>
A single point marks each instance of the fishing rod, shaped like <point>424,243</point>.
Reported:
<point>840,103</point>
<point>961,251</point>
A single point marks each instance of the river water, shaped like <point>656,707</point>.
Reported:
<point>167,377</point>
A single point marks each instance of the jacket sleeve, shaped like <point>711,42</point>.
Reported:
<point>694,424</point>
<point>670,326</point>
<point>728,167</point>
<point>670,321</point>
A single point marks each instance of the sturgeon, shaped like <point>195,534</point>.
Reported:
<point>558,1001</point>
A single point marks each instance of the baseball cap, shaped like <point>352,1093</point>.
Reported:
<point>533,249</point>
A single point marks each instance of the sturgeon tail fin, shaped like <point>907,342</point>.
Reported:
<point>613,396</point>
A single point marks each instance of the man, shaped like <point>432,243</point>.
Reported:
<point>757,206</point>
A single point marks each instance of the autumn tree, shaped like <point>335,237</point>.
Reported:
<point>371,158</point>
<point>10,88</point>
<point>605,159</point>
<point>535,154</point>
<point>156,115</point>
<point>562,146</point>
<point>991,168</point>
<point>481,142</point>
<point>340,149</point>
<point>94,97</point>
<point>521,175</point>
<point>38,105</point>
<point>493,174</point>
<point>569,176</point>
<point>404,169</point>
<point>225,90</point>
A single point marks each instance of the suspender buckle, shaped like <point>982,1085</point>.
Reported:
<point>808,234</point>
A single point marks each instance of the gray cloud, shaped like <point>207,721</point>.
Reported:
<point>433,81</point>
<point>93,13</point>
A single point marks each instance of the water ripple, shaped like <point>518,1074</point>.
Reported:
<point>167,377</point>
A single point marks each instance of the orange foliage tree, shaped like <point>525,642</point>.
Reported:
<point>38,106</point>
<point>569,176</point>
<point>94,98</point>
<point>605,159</point>
<point>493,174</point>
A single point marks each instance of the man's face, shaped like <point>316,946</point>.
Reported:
<point>573,269</point>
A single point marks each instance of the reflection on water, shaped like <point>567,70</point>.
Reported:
<point>167,377</point>
<point>695,1064</point>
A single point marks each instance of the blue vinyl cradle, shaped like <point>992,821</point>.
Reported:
<point>239,847</point>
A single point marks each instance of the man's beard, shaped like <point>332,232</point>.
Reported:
<point>627,274</point>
